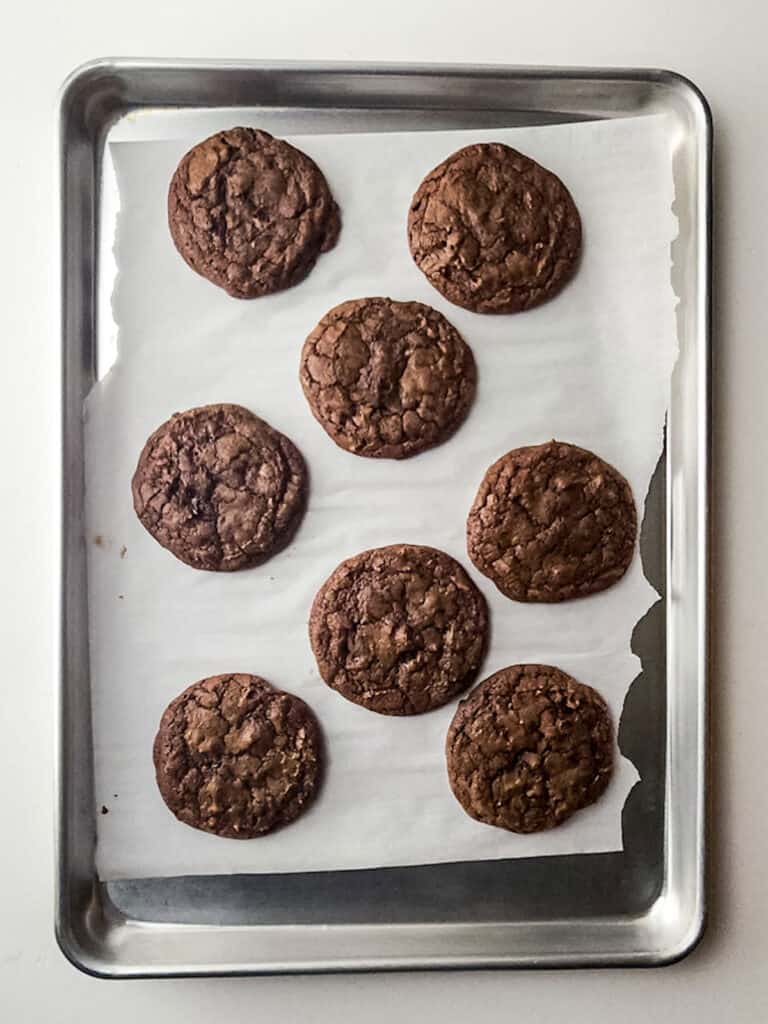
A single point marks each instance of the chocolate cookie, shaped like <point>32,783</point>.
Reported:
<point>236,757</point>
<point>387,379</point>
<point>494,231</point>
<point>552,522</point>
<point>529,747</point>
<point>250,212</point>
<point>399,630</point>
<point>219,487</point>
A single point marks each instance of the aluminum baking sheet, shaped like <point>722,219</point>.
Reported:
<point>642,905</point>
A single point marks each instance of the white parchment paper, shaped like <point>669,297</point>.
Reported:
<point>591,367</point>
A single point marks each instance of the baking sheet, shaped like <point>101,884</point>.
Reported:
<point>591,367</point>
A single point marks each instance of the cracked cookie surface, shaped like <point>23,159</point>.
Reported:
<point>399,629</point>
<point>250,212</point>
<point>493,231</point>
<point>219,488</point>
<point>236,757</point>
<point>387,379</point>
<point>552,522</point>
<point>529,747</point>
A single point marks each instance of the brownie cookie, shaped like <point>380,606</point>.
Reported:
<point>236,757</point>
<point>250,212</point>
<point>529,747</point>
<point>552,522</point>
<point>399,629</point>
<point>494,231</point>
<point>219,487</point>
<point>387,379</point>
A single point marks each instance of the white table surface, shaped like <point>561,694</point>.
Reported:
<point>721,46</point>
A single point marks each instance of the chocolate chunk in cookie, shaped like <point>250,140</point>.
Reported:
<point>236,757</point>
<point>219,487</point>
<point>552,522</point>
<point>387,379</point>
<point>494,231</point>
<point>529,747</point>
<point>399,629</point>
<point>250,212</point>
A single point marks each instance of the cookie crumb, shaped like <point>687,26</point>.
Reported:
<point>98,540</point>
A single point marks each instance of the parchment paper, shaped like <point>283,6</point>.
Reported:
<point>591,367</point>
